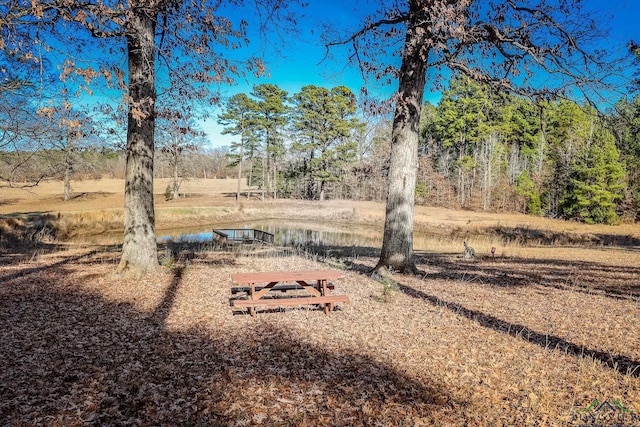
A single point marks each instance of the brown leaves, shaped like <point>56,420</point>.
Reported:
<point>80,346</point>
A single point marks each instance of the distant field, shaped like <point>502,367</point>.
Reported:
<point>101,194</point>
<point>215,198</point>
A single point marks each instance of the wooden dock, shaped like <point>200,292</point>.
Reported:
<point>242,236</point>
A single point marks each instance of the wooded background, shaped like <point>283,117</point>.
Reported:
<point>478,150</point>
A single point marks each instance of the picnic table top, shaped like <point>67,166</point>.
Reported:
<point>284,276</point>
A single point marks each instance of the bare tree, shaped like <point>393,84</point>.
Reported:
<point>177,136</point>
<point>490,155</point>
<point>69,137</point>
<point>505,44</point>
<point>23,129</point>
<point>142,31</point>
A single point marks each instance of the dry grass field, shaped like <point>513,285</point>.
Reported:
<point>531,337</point>
<point>98,204</point>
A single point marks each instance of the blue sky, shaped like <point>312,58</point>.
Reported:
<point>301,62</point>
<point>303,59</point>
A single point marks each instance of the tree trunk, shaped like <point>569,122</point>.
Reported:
<point>397,244</point>
<point>240,167</point>
<point>250,179</point>
<point>264,175</point>
<point>461,178</point>
<point>266,182</point>
<point>176,176</point>
<point>68,168</point>
<point>275,180</point>
<point>139,249</point>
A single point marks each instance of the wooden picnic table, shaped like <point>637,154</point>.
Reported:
<point>315,283</point>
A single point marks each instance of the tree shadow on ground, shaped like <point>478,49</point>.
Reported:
<point>26,215</point>
<point>535,236</point>
<point>23,256</point>
<point>620,363</point>
<point>8,202</point>
<point>70,357</point>
<point>620,282</point>
<point>91,194</point>
<point>492,275</point>
<point>182,250</point>
<point>30,230</point>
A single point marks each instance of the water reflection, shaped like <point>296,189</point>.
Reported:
<point>290,234</point>
<point>297,233</point>
<point>201,237</point>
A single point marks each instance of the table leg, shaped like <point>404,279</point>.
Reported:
<point>315,290</point>
<point>252,309</point>
<point>323,290</point>
<point>259,294</point>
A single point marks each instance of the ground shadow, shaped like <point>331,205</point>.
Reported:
<point>35,214</point>
<point>8,202</point>
<point>534,236</point>
<point>620,282</point>
<point>90,195</point>
<point>70,357</point>
<point>30,230</point>
<point>28,271</point>
<point>498,275</point>
<point>620,363</point>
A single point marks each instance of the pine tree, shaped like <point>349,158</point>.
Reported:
<point>271,118</point>
<point>239,118</point>
<point>323,122</point>
<point>527,189</point>
<point>596,182</point>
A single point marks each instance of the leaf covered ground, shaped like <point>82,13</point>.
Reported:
<point>494,342</point>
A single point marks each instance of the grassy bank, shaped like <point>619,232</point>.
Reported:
<point>96,208</point>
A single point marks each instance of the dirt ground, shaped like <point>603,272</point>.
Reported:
<point>500,342</point>
<point>539,335</point>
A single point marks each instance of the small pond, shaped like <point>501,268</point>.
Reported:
<point>286,233</point>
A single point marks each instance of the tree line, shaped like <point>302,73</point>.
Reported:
<point>478,149</point>
<point>553,158</point>
<point>319,124</point>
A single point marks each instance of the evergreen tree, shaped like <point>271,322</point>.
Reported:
<point>634,49</point>
<point>428,133</point>
<point>625,125</point>
<point>238,117</point>
<point>527,189</point>
<point>521,132</point>
<point>461,122</point>
<point>596,181</point>
<point>271,118</point>
<point>568,128</point>
<point>323,122</point>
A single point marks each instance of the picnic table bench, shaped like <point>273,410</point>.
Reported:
<point>259,285</point>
